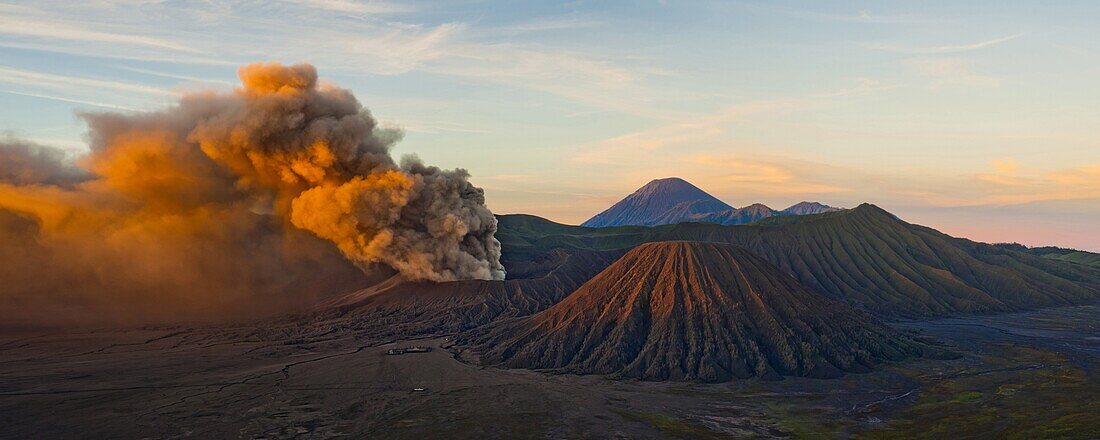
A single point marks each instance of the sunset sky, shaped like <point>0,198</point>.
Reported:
<point>980,119</point>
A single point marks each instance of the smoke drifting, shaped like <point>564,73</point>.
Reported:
<point>24,163</point>
<point>226,198</point>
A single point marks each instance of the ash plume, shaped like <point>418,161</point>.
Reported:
<point>26,163</point>
<point>224,198</point>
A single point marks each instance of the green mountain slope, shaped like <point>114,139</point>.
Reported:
<point>1079,257</point>
<point>1057,253</point>
<point>865,256</point>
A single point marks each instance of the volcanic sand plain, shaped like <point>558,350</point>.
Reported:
<point>1022,375</point>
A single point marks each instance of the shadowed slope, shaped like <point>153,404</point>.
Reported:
<point>864,256</point>
<point>748,214</point>
<point>401,307</point>
<point>872,260</point>
<point>693,311</point>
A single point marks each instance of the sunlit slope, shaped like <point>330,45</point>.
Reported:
<point>694,311</point>
<point>864,256</point>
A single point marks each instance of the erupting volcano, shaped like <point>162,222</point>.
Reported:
<point>216,204</point>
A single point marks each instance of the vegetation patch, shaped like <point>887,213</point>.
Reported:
<point>673,426</point>
<point>1019,392</point>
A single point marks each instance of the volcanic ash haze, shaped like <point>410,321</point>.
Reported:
<point>204,205</point>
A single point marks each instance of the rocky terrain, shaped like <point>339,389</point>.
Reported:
<point>865,257</point>
<point>398,307</point>
<point>766,310</point>
<point>693,311</point>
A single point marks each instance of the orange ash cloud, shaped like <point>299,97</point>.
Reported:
<point>225,198</point>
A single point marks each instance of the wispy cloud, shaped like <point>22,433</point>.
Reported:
<point>1006,165</point>
<point>103,93</point>
<point>345,37</point>
<point>50,81</point>
<point>170,75</point>
<point>778,177</point>
<point>951,71</point>
<point>26,26</point>
<point>399,51</point>
<point>431,126</point>
<point>357,7</point>
<point>863,86</point>
<point>861,16</point>
<point>69,100</point>
<point>508,177</point>
<point>933,50</point>
<point>641,146</point>
<point>1006,182</point>
<point>548,24</point>
<point>709,129</point>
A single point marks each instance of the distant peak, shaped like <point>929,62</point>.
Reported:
<point>669,183</point>
<point>805,208</point>
<point>757,206</point>
<point>874,210</point>
<point>661,201</point>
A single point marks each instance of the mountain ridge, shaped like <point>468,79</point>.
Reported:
<point>748,214</point>
<point>808,208</point>
<point>864,256</point>
<point>674,200</point>
<point>679,310</point>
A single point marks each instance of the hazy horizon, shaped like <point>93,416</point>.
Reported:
<point>976,119</point>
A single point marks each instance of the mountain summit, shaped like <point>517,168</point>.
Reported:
<point>806,208</point>
<point>740,216</point>
<point>673,200</point>
<point>659,202</point>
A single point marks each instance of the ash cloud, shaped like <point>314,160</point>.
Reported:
<point>27,163</point>
<point>275,191</point>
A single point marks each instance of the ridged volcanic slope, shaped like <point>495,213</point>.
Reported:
<point>870,259</point>
<point>401,307</point>
<point>693,311</point>
<point>863,256</point>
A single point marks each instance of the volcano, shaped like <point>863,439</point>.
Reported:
<point>864,256</point>
<point>673,200</point>
<point>659,202</point>
<point>693,311</point>
<point>398,305</point>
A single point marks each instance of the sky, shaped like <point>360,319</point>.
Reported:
<point>976,118</point>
